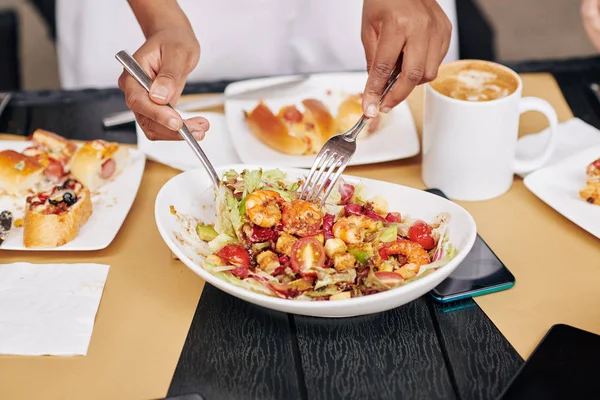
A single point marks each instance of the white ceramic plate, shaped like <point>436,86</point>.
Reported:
<point>110,207</point>
<point>397,140</point>
<point>558,185</point>
<point>177,154</point>
<point>191,194</point>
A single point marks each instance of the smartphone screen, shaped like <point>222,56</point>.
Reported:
<point>481,272</point>
<point>563,366</point>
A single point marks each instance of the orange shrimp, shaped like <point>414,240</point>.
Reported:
<point>301,218</point>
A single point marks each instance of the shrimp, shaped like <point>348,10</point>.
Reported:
<point>301,218</point>
<point>263,207</point>
<point>414,253</point>
<point>353,229</point>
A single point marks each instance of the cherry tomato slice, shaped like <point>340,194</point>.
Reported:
<point>235,255</point>
<point>389,278</point>
<point>420,232</point>
<point>307,253</point>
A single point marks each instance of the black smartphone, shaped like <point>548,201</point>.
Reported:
<point>481,272</point>
<point>563,366</point>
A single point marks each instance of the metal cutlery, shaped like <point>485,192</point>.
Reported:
<point>6,219</point>
<point>135,70</point>
<point>124,117</point>
<point>337,153</point>
<point>595,88</point>
<point>4,99</point>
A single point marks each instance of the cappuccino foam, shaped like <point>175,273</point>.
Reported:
<point>474,81</point>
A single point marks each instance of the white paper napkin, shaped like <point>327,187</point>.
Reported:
<point>573,136</point>
<point>49,309</point>
<point>176,154</point>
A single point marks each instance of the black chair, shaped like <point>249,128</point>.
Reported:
<point>475,33</point>
<point>10,76</point>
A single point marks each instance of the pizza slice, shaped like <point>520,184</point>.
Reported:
<point>53,218</point>
<point>53,151</point>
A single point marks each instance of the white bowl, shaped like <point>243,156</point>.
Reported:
<point>191,193</point>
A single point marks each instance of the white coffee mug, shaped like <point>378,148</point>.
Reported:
<point>469,147</point>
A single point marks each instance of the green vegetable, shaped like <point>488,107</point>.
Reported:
<point>220,241</point>
<point>230,175</point>
<point>206,232</point>
<point>361,256</point>
<point>390,234</point>
<point>258,247</point>
<point>242,206</point>
<point>294,186</point>
<point>273,175</point>
<point>252,180</point>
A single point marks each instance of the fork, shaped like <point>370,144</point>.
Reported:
<point>4,99</point>
<point>138,73</point>
<point>338,151</point>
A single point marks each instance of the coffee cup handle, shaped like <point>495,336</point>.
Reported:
<point>537,104</point>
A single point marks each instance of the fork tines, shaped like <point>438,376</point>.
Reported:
<point>319,177</point>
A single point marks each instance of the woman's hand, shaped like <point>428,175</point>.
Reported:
<point>167,56</point>
<point>420,29</point>
<point>590,14</point>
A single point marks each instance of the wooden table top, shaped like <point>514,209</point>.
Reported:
<point>149,298</point>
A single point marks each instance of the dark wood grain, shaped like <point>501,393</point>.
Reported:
<point>481,361</point>
<point>235,350</point>
<point>391,355</point>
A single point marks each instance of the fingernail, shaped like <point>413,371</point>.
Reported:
<point>173,123</point>
<point>372,111</point>
<point>160,92</point>
<point>198,135</point>
<point>386,110</point>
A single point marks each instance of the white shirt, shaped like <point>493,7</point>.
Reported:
<point>238,38</point>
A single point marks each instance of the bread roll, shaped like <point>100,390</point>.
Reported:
<point>19,174</point>
<point>350,111</point>
<point>98,162</point>
<point>53,218</point>
<point>319,123</point>
<point>291,131</point>
<point>274,132</point>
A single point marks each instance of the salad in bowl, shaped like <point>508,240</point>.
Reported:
<point>267,241</point>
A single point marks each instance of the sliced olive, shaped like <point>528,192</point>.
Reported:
<point>69,197</point>
<point>53,202</point>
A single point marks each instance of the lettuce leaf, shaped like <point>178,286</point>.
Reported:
<point>220,241</point>
<point>273,176</point>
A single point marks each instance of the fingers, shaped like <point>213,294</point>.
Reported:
<point>590,13</point>
<point>438,47</point>
<point>388,49</point>
<point>176,63</point>
<point>413,71</point>
<point>369,41</point>
<point>154,131</point>
<point>139,102</point>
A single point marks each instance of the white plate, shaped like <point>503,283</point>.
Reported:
<point>559,184</point>
<point>110,207</point>
<point>191,194</point>
<point>397,140</point>
<point>177,154</point>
